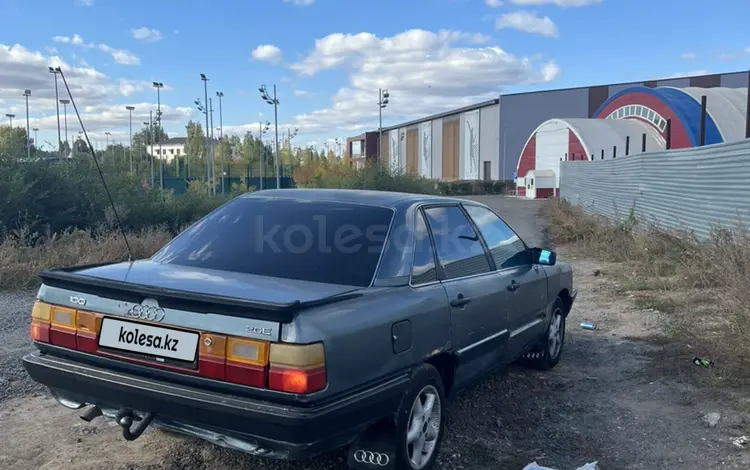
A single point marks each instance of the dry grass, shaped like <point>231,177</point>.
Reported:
<point>23,255</point>
<point>701,287</point>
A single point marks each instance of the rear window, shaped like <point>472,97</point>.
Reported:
<point>329,242</point>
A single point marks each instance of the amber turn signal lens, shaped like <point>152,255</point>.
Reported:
<point>296,380</point>
<point>41,311</point>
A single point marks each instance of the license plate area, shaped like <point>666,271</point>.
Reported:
<point>144,341</point>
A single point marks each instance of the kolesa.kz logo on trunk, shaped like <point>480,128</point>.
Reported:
<point>136,337</point>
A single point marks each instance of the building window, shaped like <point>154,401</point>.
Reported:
<point>662,125</point>
<point>157,152</point>
<point>178,152</point>
<point>640,112</point>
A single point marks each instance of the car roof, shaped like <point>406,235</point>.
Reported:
<point>360,196</point>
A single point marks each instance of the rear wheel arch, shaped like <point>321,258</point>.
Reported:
<point>445,364</point>
<point>567,300</point>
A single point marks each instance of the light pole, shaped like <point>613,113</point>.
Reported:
<point>261,149</point>
<point>383,97</point>
<point>130,143</point>
<point>36,136</point>
<point>221,136</point>
<point>159,86</point>
<point>26,94</point>
<point>10,117</point>
<point>208,142</point>
<point>275,102</point>
<point>213,150</point>
<point>65,104</point>
<point>56,70</point>
<point>150,125</point>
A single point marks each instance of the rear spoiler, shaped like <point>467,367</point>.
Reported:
<point>66,278</point>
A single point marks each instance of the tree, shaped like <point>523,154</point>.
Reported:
<point>13,141</point>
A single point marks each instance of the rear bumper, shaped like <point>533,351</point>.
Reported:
<point>255,426</point>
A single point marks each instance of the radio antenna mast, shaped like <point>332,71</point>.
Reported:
<point>98,168</point>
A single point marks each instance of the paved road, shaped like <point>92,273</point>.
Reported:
<point>521,215</point>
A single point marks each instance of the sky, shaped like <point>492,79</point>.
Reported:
<point>329,58</point>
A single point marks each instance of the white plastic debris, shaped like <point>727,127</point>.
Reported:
<point>741,441</point>
<point>535,466</point>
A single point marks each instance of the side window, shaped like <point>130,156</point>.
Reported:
<point>506,248</point>
<point>459,249</point>
<point>423,270</point>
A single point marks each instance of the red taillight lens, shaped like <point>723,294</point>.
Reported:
<point>297,368</point>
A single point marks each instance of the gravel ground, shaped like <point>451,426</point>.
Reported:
<point>617,397</point>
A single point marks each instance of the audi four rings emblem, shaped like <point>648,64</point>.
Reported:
<point>148,310</point>
<point>372,458</point>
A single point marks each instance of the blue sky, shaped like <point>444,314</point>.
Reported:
<point>328,57</point>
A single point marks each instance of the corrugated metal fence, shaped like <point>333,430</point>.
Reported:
<point>695,189</point>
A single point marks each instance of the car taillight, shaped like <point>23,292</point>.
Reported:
<point>297,368</point>
<point>66,327</point>
<point>232,359</point>
<point>40,316</point>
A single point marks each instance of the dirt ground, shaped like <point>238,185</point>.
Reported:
<point>620,396</point>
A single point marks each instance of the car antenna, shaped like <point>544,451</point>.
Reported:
<point>96,161</point>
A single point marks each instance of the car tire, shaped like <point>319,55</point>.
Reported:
<point>425,389</point>
<point>547,353</point>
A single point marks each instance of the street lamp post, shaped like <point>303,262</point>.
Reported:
<point>159,86</point>
<point>208,142</point>
<point>26,94</point>
<point>150,125</point>
<point>383,97</point>
<point>213,150</point>
<point>65,104</point>
<point>10,117</point>
<point>130,142</point>
<point>36,136</point>
<point>221,136</point>
<point>261,149</point>
<point>275,102</point>
<point>55,71</point>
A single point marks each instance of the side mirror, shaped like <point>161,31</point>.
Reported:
<point>545,257</point>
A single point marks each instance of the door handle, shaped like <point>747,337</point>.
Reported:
<point>513,286</point>
<point>460,301</point>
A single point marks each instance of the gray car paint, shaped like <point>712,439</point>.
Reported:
<point>358,332</point>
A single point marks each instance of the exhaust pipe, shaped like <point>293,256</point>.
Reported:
<point>125,419</point>
<point>91,414</point>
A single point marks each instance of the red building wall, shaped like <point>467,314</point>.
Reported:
<point>680,137</point>
<point>527,162</point>
<point>575,148</point>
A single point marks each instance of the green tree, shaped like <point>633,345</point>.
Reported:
<point>13,141</point>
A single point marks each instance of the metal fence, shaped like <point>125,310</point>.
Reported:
<point>694,189</point>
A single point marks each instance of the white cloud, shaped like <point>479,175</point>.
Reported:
<point>493,3</point>
<point>93,91</point>
<point>301,93</point>
<point>559,3</point>
<point>146,34</point>
<point>302,3</point>
<point>267,53</point>
<point>120,56</point>
<point>528,22</point>
<point>425,72</point>
<point>688,56</point>
<point>84,3</point>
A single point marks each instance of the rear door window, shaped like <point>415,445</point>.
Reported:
<point>319,241</point>
<point>458,246</point>
<point>423,268</point>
